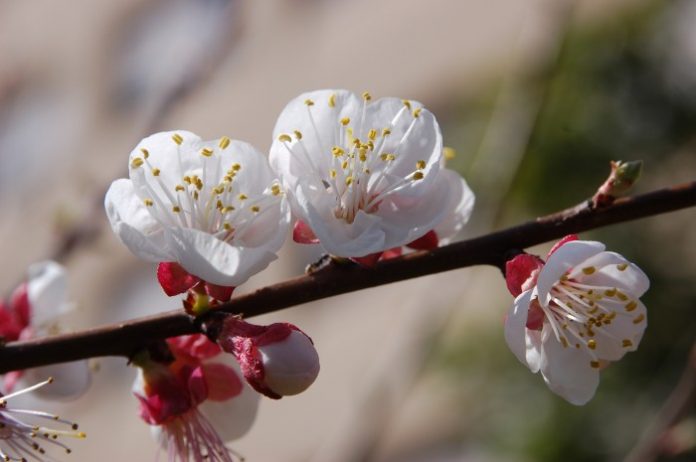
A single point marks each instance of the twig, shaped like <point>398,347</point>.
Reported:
<point>126,338</point>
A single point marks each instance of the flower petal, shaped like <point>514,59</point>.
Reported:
<point>213,260</point>
<point>223,381</point>
<point>70,380</point>
<point>460,207</point>
<point>515,330</point>
<point>613,270</point>
<point>174,279</point>
<point>234,417</point>
<point>567,371</point>
<point>133,224</point>
<point>47,290</point>
<point>566,257</point>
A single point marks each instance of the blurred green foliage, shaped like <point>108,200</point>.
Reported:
<point>606,99</point>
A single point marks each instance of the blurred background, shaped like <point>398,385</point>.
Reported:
<point>536,97</point>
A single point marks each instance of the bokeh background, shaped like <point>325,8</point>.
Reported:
<point>536,97</point>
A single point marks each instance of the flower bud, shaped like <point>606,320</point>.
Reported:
<point>277,360</point>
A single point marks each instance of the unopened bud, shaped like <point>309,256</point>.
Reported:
<point>622,178</point>
<point>277,360</point>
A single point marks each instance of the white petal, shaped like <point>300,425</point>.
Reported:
<point>460,206</point>
<point>234,417</point>
<point>254,176</point>
<point>569,255</point>
<point>70,380</point>
<point>133,224</point>
<point>47,289</point>
<point>360,238</point>
<point>515,326</point>
<point>533,343</point>
<point>269,229</point>
<point>631,280</point>
<point>624,333</point>
<point>567,371</point>
<point>213,260</point>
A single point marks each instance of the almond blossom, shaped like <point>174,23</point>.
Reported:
<point>196,403</point>
<point>34,310</point>
<point>29,434</point>
<point>211,211</point>
<point>574,314</point>
<point>277,360</point>
<point>362,176</point>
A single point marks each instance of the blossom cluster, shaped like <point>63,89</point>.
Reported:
<point>364,179</point>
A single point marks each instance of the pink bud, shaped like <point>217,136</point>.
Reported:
<point>277,360</point>
<point>521,272</point>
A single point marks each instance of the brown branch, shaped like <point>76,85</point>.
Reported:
<point>126,338</point>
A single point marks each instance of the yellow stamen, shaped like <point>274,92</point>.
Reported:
<point>366,96</point>
<point>420,165</point>
<point>588,270</point>
<point>177,138</point>
<point>309,102</point>
<point>592,344</point>
<point>155,172</point>
<point>284,138</point>
<point>449,153</point>
<point>145,152</point>
<point>418,176</point>
<point>224,142</point>
<point>332,100</point>
<point>148,202</point>
<point>137,162</point>
<point>345,121</point>
<point>298,134</point>
<point>207,152</point>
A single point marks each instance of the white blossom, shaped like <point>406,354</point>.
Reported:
<point>587,302</point>
<point>365,176</point>
<point>214,207</point>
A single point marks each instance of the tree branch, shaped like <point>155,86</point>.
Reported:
<point>126,338</point>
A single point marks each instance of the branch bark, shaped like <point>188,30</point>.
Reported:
<point>127,338</point>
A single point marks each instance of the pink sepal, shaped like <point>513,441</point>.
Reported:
<point>303,234</point>
<point>368,261</point>
<point>427,241</point>
<point>521,272</point>
<point>174,279</point>
<point>222,381</point>
<point>557,245</point>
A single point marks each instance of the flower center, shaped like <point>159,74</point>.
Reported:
<point>207,198</point>
<point>578,312</point>
<point>360,172</point>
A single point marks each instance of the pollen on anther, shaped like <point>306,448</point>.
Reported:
<point>298,134</point>
<point>309,102</point>
<point>372,134</point>
<point>622,266</point>
<point>332,100</point>
<point>349,181</point>
<point>626,343</point>
<point>610,292</point>
<point>236,167</point>
<point>177,138</point>
<point>345,121</point>
<point>592,344</point>
<point>588,270</point>
<point>275,190</point>
<point>418,176</point>
<point>631,306</point>
<point>284,138</point>
<point>155,172</point>
<point>243,197</point>
<point>332,173</point>
<point>224,142</point>
<point>227,226</point>
<point>176,209</point>
<point>420,165</point>
<point>387,157</point>
<point>137,162</point>
<point>148,202</point>
<point>449,153</point>
<point>367,96</point>
<point>594,364</point>
<point>145,152</point>
<point>207,152</point>
<point>407,103</point>
<point>638,319</point>
<point>337,151</point>
<point>417,112</point>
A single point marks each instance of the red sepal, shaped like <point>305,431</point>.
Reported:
<point>219,293</point>
<point>391,253</point>
<point>303,234</point>
<point>519,271</point>
<point>368,261</point>
<point>427,241</point>
<point>174,279</point>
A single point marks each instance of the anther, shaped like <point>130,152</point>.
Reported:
<point>332,100</point>
<point>622,266</point>
<point>417,112</point>
<point>285,138</point>
<point>337,151</point>
<point>309,102</point>
<point>148,202</point>
<point>236,167</point>
<point>349,181</point>
<point>449,153</point>
<point>255,208</point>
<point>407,103</point>
<point>145,152</point>
<point>176,209</point>
<point>588,270</point>
<point>420,165</point>
<point>594,364</point>
<point>386,132</point>
<point>387,157</point>
<point>345,121</point>
<point>155,172</point>
<point>275,190</point>
<point>243,197</point>
<point>207,152</point>
<point>177,138</point>
<point>631,306</point>
<point>372,134</point>
<point>626,343</point>
<point>224,142</point>
<point>592,344</point>
<point>367,96</point>
<point>298,134</point>
<point>639,319</point>
<point>136,162</point>
<point>418,176</point>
